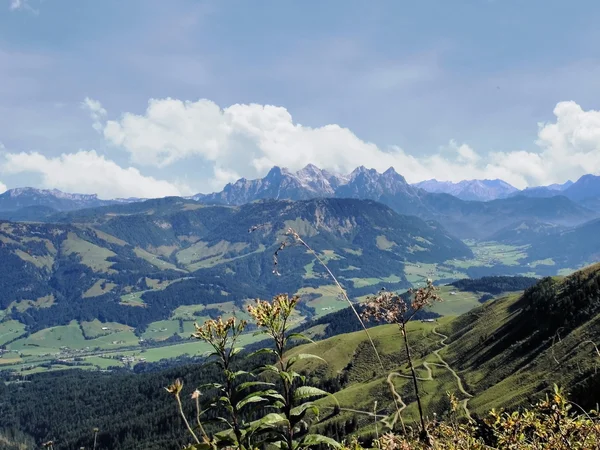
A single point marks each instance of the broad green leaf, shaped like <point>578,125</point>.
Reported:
<point>270,420</point>
<point>270,368</point>
<point>308,391</point>
<point>248,384</point>
<point>299,410</point>
<point>251,399</point>
<point>271,393</point>
<point>318,439</point>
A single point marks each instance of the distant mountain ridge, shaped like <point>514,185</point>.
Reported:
<point>26,197</point>
<point>477,190</point>
<point>463,219</point>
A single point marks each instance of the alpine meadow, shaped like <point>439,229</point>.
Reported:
<point>299,225</point>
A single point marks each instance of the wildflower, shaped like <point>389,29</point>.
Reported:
<point>196,394</point>
<point>175,388</point>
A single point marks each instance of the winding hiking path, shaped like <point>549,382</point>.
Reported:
<point>447,366</point>
<point>400,405</point>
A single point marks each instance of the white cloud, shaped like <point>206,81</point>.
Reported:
<point>248,139</point>
<point>89,173</point>
<point>97,112</point>
<point>16,5</point>
<point>3,188</point>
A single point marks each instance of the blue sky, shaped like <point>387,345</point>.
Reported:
<point>149,97</point>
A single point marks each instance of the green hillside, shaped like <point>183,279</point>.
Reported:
<point>504,353</point>
<point>155,267</point>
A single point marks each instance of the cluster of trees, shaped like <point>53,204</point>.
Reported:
<point>496,284</point>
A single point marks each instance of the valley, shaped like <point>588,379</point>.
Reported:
<point>113,291</point>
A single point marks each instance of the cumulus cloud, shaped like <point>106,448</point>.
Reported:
<point>89,173</point>
<point>248,139</point>
<point>3,188</point>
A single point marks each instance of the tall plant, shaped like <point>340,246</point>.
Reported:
<point>237,393</point>
<point>392,308</point>
<point>273,318</point>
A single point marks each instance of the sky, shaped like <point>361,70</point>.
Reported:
<point>148,98</point>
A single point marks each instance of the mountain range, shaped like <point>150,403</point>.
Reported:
<point>573,205</point>
<point>49,272</point>
<point>478,190</point>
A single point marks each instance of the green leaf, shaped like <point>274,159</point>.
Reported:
<point>301,410</point>
<point>256,333</point>
<point>318,439</point>
<point>301,337</point>
<point>286,377</point>
<point>252,398</point>
<point>201,446</point>
<point>234,351</point>
<point>261,351</point>
<point>225,400</point>
<point>248,384</point>
<point>308,391</point>
<point>297,375</point>
<point>268,421</point>
<point>270,368</point>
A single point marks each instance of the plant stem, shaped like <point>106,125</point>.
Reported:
<point>204,435</point>
<point>234,411</point>
<point>414,375</point>
<point>187,424</point>
<point>343,293</point>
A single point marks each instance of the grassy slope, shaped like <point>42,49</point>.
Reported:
<point>494,371</point>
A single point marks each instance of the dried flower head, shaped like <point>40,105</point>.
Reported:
<point>272,315</point>
<point>217,332</point>
<point>391,307</point>
<point>196,394</point>
<point>175,388</point>
<point>424,296</point>
<point>385,307</point>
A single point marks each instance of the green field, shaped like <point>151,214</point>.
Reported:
<point>154,260</point>
<point>419,272</point>
<point>100,287</point>
<point>10,330</point>
<point>133,299</point>
<point>455,302</point>
<point>490,254</point>
<point>91,255</point>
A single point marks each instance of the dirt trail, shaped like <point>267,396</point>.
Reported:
<point>398,399</point>
<point>458,379</point>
